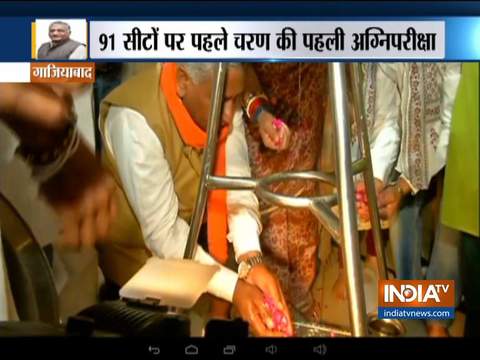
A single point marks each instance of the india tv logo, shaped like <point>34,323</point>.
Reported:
<point>416,299</point>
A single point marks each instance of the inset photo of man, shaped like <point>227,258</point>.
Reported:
<point>61,39</point>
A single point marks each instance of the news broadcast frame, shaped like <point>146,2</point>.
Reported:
<point>295,144</point>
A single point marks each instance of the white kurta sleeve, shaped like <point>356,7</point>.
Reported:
<point>434,154</point>
<point>384,135</point>
<point>243,213</point>
<point>451,78</point>
<point>149,187</point>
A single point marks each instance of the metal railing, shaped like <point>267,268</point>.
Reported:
<point>343,230</point>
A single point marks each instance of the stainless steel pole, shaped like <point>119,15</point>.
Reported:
<point>351,251</point>
<point>368,172</point>
<point>208,159</point>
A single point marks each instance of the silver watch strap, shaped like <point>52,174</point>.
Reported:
<point>254,260</point>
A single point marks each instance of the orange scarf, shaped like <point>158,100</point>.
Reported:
<point>194,136</point>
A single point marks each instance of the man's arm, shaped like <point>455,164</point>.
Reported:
<point>149,187</point>
<point>384,135</point>
<point>37,114</point>
<point>244,219</point>
<point>78,188</point>
<point>382,103</point>
<point>243,214</point>
<point>148,184</point>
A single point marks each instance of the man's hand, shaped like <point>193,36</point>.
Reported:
<point>36,107</point>
<point>390,198</point>
<point>261,277</point>
<point>361,197</point>
<point>82,192</point>
<point>83,195</point>
<point>275,135</point>
<point>251,305</point>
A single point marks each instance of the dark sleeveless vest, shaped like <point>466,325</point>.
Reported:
<point>60,52</point>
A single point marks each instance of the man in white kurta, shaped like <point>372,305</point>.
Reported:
<point>409,108</point>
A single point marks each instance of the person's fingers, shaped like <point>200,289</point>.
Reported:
<point>268,141</point>
<point>113,207</point>
<point>87,231</point>
<point>41,105</point>
<point>257,323</point>
<point>275,136</point>
<point>392,210</point>
<point>271,296</point>
<point>284,136</point>
<point>87,225</point>
<point>102,221</point>
<point>104,205</point>
<point>263,312</point>
<point>277,294</point>
<point>383,212</point>
<point>284,308</point>
<point>70,226</point>
<point>112,202</point>
<point>266,125</point>
<point>282,143</point>
<point>271,129</point>
<point>384,198</point>
<point>281,304</point>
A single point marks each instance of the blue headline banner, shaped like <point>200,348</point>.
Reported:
<point>462,33</point>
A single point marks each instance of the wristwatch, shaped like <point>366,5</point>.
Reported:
<point>247,265</point>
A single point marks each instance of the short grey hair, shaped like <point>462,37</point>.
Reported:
<point>59,23</point>
<point>199,72</point>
